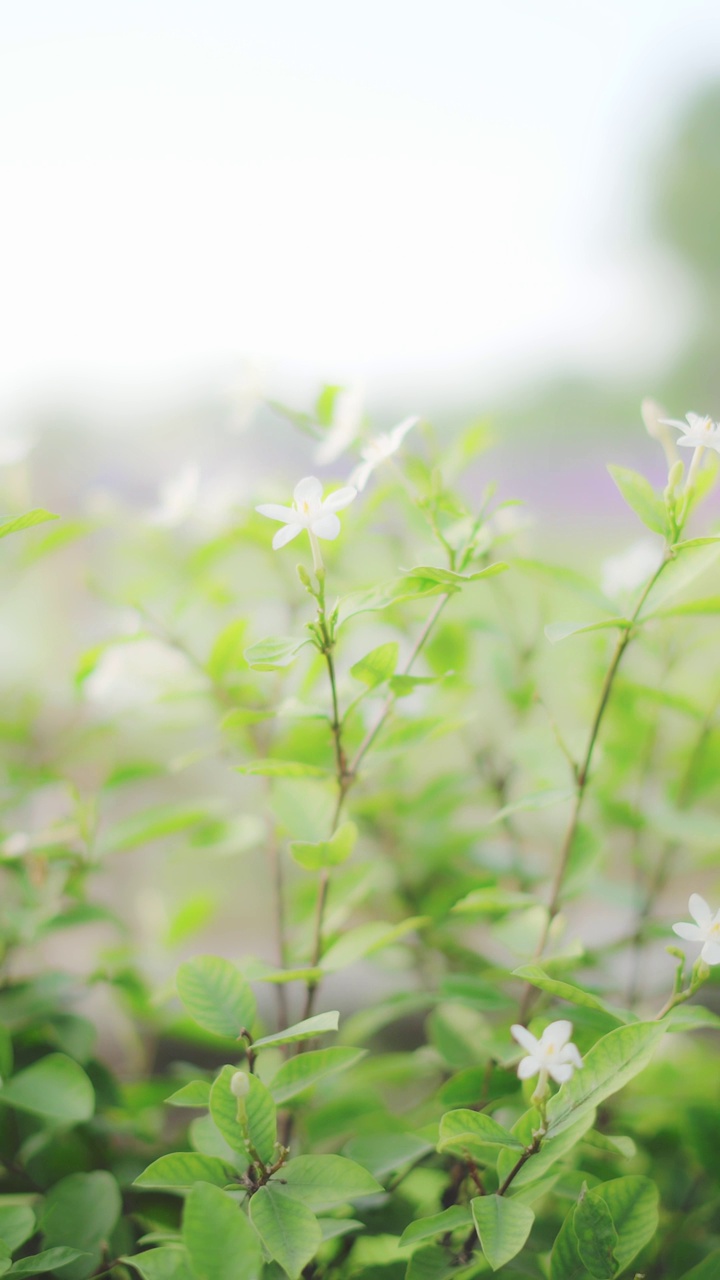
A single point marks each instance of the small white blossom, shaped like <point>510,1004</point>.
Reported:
<point>631,568</point>
<point>698,432</point>
<point>706,929</point>
<point>310,511</point>
<point>378,450</point>
<point>552,1055</point>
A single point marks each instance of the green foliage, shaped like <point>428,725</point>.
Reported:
<point>216,995</point>
<point>503,1226</point>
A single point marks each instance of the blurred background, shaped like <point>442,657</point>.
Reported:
<point>459,210</point>
<point>503,214</point>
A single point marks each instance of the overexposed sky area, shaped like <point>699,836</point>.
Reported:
<point>390,191</point>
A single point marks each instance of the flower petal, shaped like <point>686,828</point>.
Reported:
<point>361,475</point>
<point>398,433</point>
<point>274,512</point>
<point>560,1072</point>
<point>690,932</point>
<point>711,953</point>
<point>527,1067</point>
<point>570,1053</point>
<point>525,1038</point>
<point>558,1033</point>
<point>286,535</point>
<point>690,441</point>
<point>339,499</point>
<point>326,526</point>
<point>308,490</point>
<point>700,911</point>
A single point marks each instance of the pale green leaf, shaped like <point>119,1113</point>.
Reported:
<point>276,768</point>
<point>55,1087</point>
<point>324,1181</point>
<point>220,1242</point>
<point>52,1260</point>
<point>378,665</point>
<point>17,1224</point>
<point>169,1262</point>
<point>275,652</point>
<point>611,1063</point>
<point>185,1168</point>
<point>464,1130</point>
<point>366,939</point>
<point>260,1116</point>
<point>194,1094</point>
<point>288,1229</point>
<point>451,1219</point>
<point>304,1070</point>
<point>80,1212</point>
<point>383,1153</point>
<point>37,516</point>
<point>216,995</point>
<point>533,974</point>
<point>503,1226</point>
<point>308,1029</point>
<point>640,495</point>
<point>325,853</point>
<point>596,1237</point>
<point>556,631</point>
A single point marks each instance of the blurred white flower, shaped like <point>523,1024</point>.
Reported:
<point>657,427</point>
<point>706,929</point>
<point>178,498</point>
<point>698,432</point>
<point>631,568</point>
<point>310,511</point>
<point>552,1055</point>
<point>378,450</point>
<point>134,672</point>
<point>346,423</point>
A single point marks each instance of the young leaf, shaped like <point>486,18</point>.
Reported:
<point>615,1059</point>
<point>556,631</point>
<point>502,1225</point>
<point>449,1220</point>
<point>378,665</point>
<point>227,652</point>
<point>325,853</point>
<point>219,1240</point>
<point>51,1260</point>
<point>288,1229</point>
<point>274,653</point>
<point>448,578</point>
<point>473,1131</point>
<point>37,516</point>
<point>640,495</point>
<point>387,593</point>
<point>54,1087</point>
<point>194,1094</point>
<point>169,1262</point>
<point>308,1029</point>
<point>259,1111</point>
<point>184,1169</point>
<point>276,768</point>
<point>216,995</point>
<point>596,1237</point>
<point>306,1069</point>
<point>533,974</point>
<point>324,1181</point>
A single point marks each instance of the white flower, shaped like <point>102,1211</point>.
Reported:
<point>552,1055</point>
<point>378,450</point>
<point>310,511</point>
<point>698,432</point>
<point>706,929</point>
<point>631,568</point>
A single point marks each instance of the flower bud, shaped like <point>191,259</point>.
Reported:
<point>240,1084</point>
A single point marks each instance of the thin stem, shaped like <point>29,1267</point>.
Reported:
<point>582,777</point>
<point>527,1153</point>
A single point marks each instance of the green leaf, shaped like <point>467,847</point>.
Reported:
<point>611,1063</point>
<point>365,939</point>
<point>678,574</point>
<point>220,1242</point>
<point>308,1029</point>
<point>474,1132</point>
<point>259,1110</point>
<point>153,824</point>
<point>80,1212</point>
<point>240,717</point>
<point>50,1260</point>
<point>282,769</point>
<point>569,579</point>
<point>324,1181</point>
<point>378,665</point>
<point>552,1149</point>
<point>306,1069</point>
<point>449,1220</point>
<point>169,1262</point>
<point>533,974</point>
<point>430,1263</point>
<point>17,1224</point>
<point>37,516</point>
<point>640,495</point>
<point>691,608</point>
<point>596,1237</point>
<point>6,1053</point>
<point>288,1229</point>
<point>194,1094</point>
<point>216,995</point>
<point>502,1225</point>
<point>708,1269</point>
<point>557,631</point>
<point>185,1168</point>
<point>691,1017</point>
<point>388,593</point>
<point>227,652</point>
<point>325,853</point>
<point>383,1153</point>
<point>632,1206</point>
<point>274,653</point>
<point>54,1087</point>
<point>448,578</point>
<point>492,902</point>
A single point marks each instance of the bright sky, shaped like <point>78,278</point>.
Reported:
<point>384,190</point>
